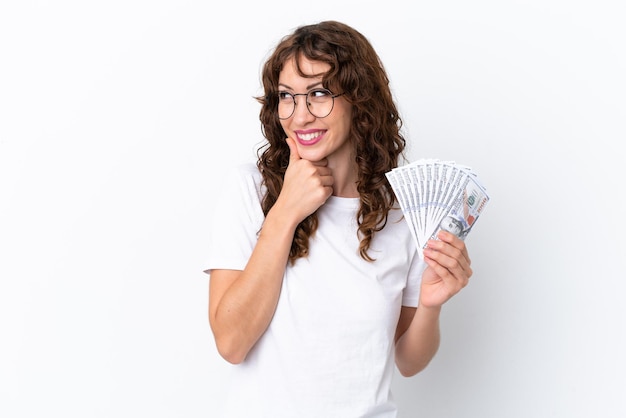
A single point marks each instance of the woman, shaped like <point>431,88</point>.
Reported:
<point>316,289</point>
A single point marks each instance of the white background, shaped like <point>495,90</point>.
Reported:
<point>119,118</point>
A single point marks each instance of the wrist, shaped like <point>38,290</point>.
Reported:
<point>279,218</point>
<point>430,311</point>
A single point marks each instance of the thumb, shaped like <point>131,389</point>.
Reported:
<point>293,150</point>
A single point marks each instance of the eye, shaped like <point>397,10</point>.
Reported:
<point>319,93</point>
<point>285,96</point>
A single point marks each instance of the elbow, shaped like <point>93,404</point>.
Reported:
<point>227,346</point>
<point>406,372</point>
<point>230,355</point>
<point>410,371</point>
<point>230,350</point>
<point>412,365</point>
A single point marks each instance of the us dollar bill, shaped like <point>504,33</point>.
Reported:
<point>436,195</point>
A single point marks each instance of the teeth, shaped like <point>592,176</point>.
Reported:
<point>309,137</point>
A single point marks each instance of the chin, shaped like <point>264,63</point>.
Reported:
<point>312,156</point>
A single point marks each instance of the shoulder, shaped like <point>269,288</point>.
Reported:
<point>248,168</point>
<point>242,171</point>
<point>247,178</point>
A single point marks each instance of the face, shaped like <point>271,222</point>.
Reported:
<point>316,138</point>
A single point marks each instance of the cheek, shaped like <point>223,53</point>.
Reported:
<point>348,121</point>
<point>344,122</point>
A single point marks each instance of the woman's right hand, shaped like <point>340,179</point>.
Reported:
<point>307,185</point>
<point>242,303</point>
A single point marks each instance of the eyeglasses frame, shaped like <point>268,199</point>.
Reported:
<point>295,103</point>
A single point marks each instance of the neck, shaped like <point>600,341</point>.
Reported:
<point>345,177</point>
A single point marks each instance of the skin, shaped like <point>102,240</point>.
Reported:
<point>242,303</point>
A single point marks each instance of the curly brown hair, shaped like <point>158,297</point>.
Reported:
<point>355,70</point>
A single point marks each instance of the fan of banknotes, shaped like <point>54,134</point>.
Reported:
<point>435,195</point>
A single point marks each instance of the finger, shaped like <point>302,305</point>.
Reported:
<point>321,163</point>
<point>450,238</point>
<point>453,260</point>
<point>324,171</point>
<point>448,250</point>
<point>454,242</point>
<point>453,278</point>
<point>327,181</point>
<point>439,270</point>
<point>449,257</point>
<point>294,155</point>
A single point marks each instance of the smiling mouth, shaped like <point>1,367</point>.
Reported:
<point>310,136</point>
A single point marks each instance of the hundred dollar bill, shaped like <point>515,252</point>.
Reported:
<point>435,195</point>
<point>464,210</point>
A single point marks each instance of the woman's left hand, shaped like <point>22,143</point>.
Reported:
<point>448,269</point>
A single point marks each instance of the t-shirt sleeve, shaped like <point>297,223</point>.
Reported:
<point>236,220</point>
<point>411,294</point>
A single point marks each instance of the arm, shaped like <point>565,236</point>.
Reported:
<point>242,303</point>
<point>417,334</point>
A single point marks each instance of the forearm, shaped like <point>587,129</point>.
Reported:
<point>420,342</point>
<point>242,306</point>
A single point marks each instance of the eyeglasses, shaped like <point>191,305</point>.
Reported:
<point>319,102</point>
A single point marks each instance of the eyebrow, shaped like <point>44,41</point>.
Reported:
<point>309,87</point>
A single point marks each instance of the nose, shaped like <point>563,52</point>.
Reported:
<point>301,113</point>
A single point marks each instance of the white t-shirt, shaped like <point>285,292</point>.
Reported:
<point>329,349</point>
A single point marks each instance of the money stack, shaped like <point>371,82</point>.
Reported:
<point>435,195</point>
